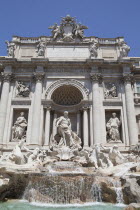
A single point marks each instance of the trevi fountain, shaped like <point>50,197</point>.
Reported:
<point>69,122</point>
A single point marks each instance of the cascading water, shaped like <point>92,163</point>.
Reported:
<point>97,193</point>
<point>65,185</point>
<point>72,188</point>
<point>63,189</point>
<point>118,190</point>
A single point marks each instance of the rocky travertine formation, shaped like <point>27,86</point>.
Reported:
<point>66,182</point>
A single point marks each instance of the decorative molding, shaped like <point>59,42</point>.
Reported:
<point>21,102</point>
<point>112,103</point>
<point>110,90</point>
<point>22,89</point>
<point>62,82</point>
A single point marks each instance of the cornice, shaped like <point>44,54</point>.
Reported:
<point>46,63</point>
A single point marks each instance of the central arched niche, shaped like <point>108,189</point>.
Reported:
<point>67,95</point>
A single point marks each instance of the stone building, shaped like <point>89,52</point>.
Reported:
<point>92,78</point>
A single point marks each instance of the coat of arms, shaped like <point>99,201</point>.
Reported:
<point>68,31</point>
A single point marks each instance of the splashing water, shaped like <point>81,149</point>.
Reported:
<point>118,190</point>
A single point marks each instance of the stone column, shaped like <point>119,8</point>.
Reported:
<point>96,78</point>
<point>85,128</point>
<point>37,109</point>
<point>78,124</point>
<point>130,110</point>
<point>91,127</point>
<point>4,102</point>
<point>138,120</point>
<point>0,86</point>
<point>47,126</point>
<point>54,124</point>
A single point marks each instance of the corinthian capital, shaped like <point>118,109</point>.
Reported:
<point>7,77</point>
<point>48,108</point>
<point>96,77</point>
<point>38,76</point>
<point>128,78</point>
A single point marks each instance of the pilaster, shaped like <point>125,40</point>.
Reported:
<point>96,79</point>
<point>6,76</point>
<point>130,110</point>
<point>47,127</point>
<point>85,128</point>
<point>35,133</point>
<point>78,124</point>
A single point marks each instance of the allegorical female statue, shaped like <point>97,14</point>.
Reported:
<point>113,128</point>
<point>65,134</point>
<point>18,130</point>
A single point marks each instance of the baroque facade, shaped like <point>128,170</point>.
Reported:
<point>92,78</point>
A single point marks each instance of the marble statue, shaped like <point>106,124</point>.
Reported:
<point>103,159</point>
<point>68,30</point>
<point>16,156</point>
<point>10,49</point>
<point>124,49</point>
<point>68,137</point>
<point>112,126</point>
<point>79,30</point>
<point>40,49</point>
<point>93,49</point>
<point>19,128</point>
<point>93,158</point>
<point>135,149</point>
<point>114,154</point>
<point>65,141</point>
<point>33,156</point>
<point>22,89</point>
<point>56,31</point>
<point>111,92</point>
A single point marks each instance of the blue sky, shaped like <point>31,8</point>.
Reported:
<point>104,18</point>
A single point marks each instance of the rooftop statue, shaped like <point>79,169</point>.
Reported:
<point>40,49</point>
<point>10,49</point>
<point>69,30</point>
<point>124,49</point>
<point>93,49</point>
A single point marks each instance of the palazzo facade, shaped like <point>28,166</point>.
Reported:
<point>92,78</point>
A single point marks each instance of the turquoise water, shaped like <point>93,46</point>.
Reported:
<point>21,205</point>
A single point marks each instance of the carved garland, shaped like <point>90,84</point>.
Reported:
<point>62,82</point>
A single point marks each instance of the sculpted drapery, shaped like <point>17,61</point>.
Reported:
<point>113,128</point>
<point>65,134</point>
